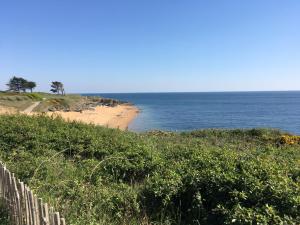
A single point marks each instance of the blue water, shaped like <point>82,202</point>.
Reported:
<point>190,111</point>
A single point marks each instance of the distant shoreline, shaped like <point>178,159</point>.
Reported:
<point>105,112</point>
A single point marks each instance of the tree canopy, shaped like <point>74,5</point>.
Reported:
<point>18,84</point>
<point>57,87</point>
<point>30,85</point>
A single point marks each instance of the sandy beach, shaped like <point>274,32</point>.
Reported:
<point>7,110</point>
<point>113,117</point>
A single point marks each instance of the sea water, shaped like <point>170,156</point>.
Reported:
<point>191,111</point>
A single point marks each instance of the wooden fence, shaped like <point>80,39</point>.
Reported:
<point>24,207</point>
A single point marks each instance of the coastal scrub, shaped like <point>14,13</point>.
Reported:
<point>97,175</point>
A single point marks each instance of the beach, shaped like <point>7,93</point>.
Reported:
<point>7,110</point>
<point>119,116</point>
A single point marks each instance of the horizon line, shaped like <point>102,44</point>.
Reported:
<point>170,92</point>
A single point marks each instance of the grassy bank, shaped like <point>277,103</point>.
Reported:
<point>21,101</point>
<point>52,102</point>
<point>95,175</point>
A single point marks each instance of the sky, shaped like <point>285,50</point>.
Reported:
<point>152,45</point>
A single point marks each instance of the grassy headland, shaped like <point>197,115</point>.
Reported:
<point>96,175</point>
<point>52,102</point>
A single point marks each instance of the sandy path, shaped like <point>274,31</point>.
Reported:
<point>114,117</point>
<point>30,108</point>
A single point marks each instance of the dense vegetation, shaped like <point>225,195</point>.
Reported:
<point>95,175</point>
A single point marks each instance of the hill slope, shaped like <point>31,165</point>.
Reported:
<point>52,102</point>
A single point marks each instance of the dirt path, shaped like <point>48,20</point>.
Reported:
<point>30,108</point>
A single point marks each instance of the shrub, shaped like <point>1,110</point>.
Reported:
<point>289,139</point>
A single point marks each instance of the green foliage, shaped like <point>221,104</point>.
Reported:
<point>21,96</point>
<point>57,87</point>
<point>96,175</point>
<point>4,218</point>
<point>30,85</point>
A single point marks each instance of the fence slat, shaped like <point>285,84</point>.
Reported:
<point>28,211</point>
<point>56,218</point>
<point>40,207</point>
<point>37,213</point>
<point>51,216</point>
<point>22,201</point>
<point>17,203</point>
<point>46,213</point>
<point>9,196</point>
<point>33,211</point>
<point>29,206</point>
<point>62,221</point>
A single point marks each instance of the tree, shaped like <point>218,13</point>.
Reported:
<point>30,85</point>
<point>17,84</point>
<point>57,87</point>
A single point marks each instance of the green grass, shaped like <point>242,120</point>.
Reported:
<point>96,175</point>
<point>53,100</point>
<point>18,103</point>
<point>20,96</point>
<point>21,101</point>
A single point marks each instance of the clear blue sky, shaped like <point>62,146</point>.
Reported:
<point>152,45</point>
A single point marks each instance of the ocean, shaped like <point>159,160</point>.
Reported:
<point>191,111</point>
